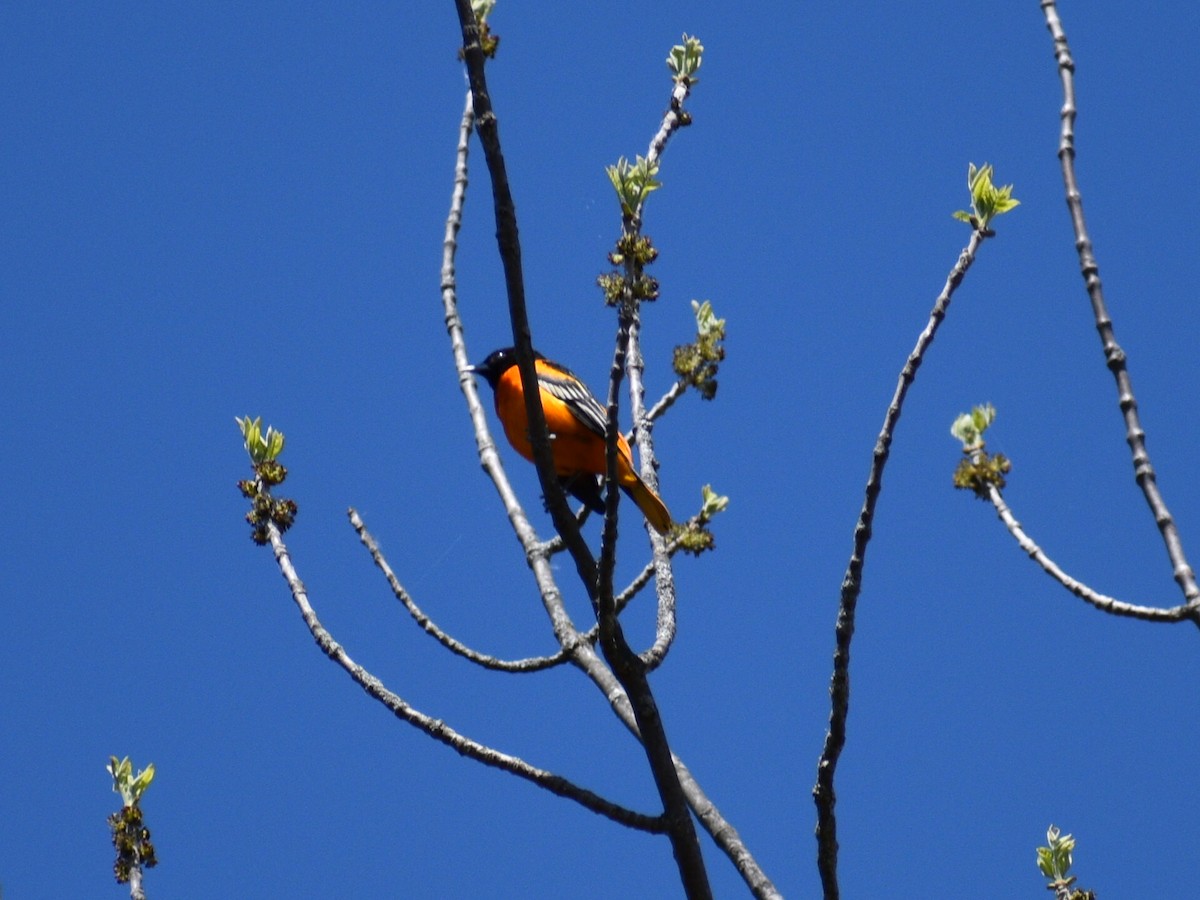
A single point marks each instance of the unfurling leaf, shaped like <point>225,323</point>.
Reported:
<point>987,200</point>
<point>685,59</point>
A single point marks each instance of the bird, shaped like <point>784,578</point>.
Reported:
<point>576,422</point>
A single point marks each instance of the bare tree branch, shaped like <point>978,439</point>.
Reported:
<point>509,242</point>
<point>458,199</point>
<point>436,728</point>
<point>722,831</point>
<point>648,571</point>
<point>632,671</point>
<point>665,402</point>
<point>673,119</point>
<point>680,828</point>
<point>629,348</point>
<point>1078,588</point>
<point>533,664</point>
<point>488,456</point>
<point>1114,356</point>
<point>537,552</point>
<point>839,688</point>
<point>639,581</point>
<point>664,575</point>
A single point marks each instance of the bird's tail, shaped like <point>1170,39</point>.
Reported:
<point>650,504</point>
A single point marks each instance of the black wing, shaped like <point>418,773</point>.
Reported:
<point>570,390</point>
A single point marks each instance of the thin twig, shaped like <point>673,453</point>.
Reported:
<point>621,600</point>
<point>629,668</point>
<point>672,120</point>
<point>458,199</point>
<point>532,664</point>
<point>839,688</point>
<point>632,673</point>
<point>488,457</point>
<point>630,348</point>
<point>1078,588</point>
<point>1114,356</point>
<point>680,829</point>
<point>671,547</point>
<point>509,243</point>
<point>665,402</point>
<point>664,575</point>
<point>536,552</point>
<point>606,613</point>
<point>436,728</point>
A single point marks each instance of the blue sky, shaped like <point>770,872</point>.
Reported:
<point>230,209</point>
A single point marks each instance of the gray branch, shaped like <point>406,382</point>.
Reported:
<point>1114,356</point>
<point>839,689</point>
<point>532,664</point>
<point>436,728</point>
<point>1078,588</point>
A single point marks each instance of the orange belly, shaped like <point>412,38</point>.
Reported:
<point>575,447</point>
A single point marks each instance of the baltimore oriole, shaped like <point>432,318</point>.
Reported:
<point>576,422</point>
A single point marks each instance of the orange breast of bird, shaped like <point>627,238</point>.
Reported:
<point>576,447</point>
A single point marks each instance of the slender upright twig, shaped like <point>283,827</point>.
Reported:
<point>839,688</point>
<point>680,828</point>
<point>664,574</point>
<point>632,671</point>
<point>509,242</point>
<point>1114,356</point>
<point>665,622</point>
